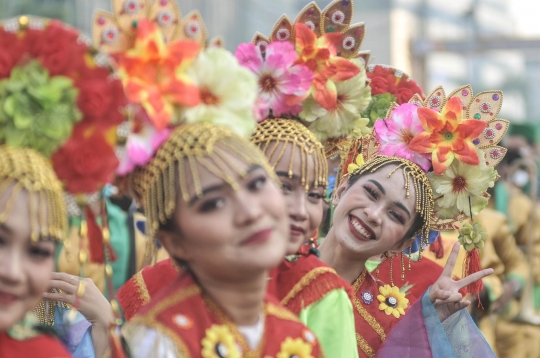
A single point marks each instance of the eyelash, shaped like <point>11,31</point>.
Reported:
<point>254,184</point>
<point>214,204</point>
<point>375,196</point>
<point>40,253</point>
<point>372,192</point>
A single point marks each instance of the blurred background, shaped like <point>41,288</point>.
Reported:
<point>491,44</point>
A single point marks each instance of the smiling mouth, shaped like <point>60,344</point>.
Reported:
<point>359,229</point>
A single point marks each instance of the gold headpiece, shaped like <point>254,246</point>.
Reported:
<point>290,131</point>
<point>202,143</point>
<point>25,169</point>
<point>115,33</point>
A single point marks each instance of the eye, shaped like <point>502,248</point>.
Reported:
<point>286,188</point>
<point>315,196</point>
<point>397,217</point>
<point>39,252</point>
<point>257,183</point>
<point>371,192</point>
<point>212,204</point>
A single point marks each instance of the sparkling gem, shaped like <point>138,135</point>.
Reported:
<point>338,17</point>
<point>435,101</point>
<point>310,12</point>
<point>358,32</point>
<point>131,7</point>
<point>367,297</point>
<point>182,321</point>
<point>309,336</point>
<point>464,93</point>
<point>478,100</point>
<point>101,21</point>
<point>489,133</point>
<point>165,17</point>
<point>491,142</point>
<point>109,35</point>
<point>438,93</point>
<point>485,107</point>
<point>262,46</point>
<point>495,153</point>
<point>330,29</point>
<point>476,141</point>
<point>348,43</point>
<point>498,126</point>
<point>477,116</point>
<point>345,2</point>
<point>391,301</point>
<point>310,24</point>
<point>495,97</point>
<point>283,34</point>
<point>192,29</point>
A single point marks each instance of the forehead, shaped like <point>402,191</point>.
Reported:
<point>285,153</point>
<point>393,182</point>
<point>18,217</point>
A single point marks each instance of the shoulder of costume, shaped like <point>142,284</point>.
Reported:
<point>33,345</point>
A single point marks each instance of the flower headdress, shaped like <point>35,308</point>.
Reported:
<point>58,98</point>
<point>453,139</point>
<point>325,85</point>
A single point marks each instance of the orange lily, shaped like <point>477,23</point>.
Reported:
<point>447,136</point>
<point>320,56</point>
<point>154,74</point>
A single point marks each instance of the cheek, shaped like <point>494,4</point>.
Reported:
<point>39,274</point>
<point>315,212</point>
<point>274,202</point>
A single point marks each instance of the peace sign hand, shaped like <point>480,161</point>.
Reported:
<point>444,294</point>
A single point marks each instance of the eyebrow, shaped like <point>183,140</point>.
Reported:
<point>396,203</point>
<point>6,228</point>
<point>218,187</point>
<point>297,178</point>
<point>378,185</point>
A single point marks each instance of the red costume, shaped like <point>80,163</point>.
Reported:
<point>192,320</point>
<point>40,346</point>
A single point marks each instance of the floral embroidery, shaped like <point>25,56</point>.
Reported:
<point>219,343</point>
<point>392,301</point>
<point>295,348</point>
<point>367,297</point>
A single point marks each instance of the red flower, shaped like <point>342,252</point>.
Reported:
<point>57,49</point>
<point>101,98</point>
<point>87,161</point>
<point>11,51</point>
<point>379,85</point>
<point>405,90</point>
<point>382,80</point>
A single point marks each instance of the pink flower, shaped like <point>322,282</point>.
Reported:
<point>394,135</point>
<point>142,143</point>
<point>282,84</point>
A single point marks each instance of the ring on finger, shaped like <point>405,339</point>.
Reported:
<point>71,280</point>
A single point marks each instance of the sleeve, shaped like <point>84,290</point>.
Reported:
<point>515,264</point>
<point>421,334</point>
<point>147,342</point>
<point>77,336</point>
<point>332,320</point>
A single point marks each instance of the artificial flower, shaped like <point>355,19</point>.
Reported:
<point>405,90</point>
<point>395,134</point>
<point>461,188</point>
<point>320,56</point>
<point>447,136</point>
<point>472,236</point>
<point>228,92</point>
<point>353,96</point>
<point>378,107</point>
<point>87,161</point>
<point>12,49</point>
<point>382,80</point>
<point>357,164</point>
<point>219,342</point>
<point>392,301</point>
<point>295,348</point>
<point>142,143</point>
<point>37,110</point>
<point>282,84</point>
<point>154,74</point>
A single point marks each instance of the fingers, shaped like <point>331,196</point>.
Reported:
<point>449,267</point>
<point>62,297</point>
<point>449,298</point>
<point>65,286</point>
<point>474,277</point>
<point>62,276</point>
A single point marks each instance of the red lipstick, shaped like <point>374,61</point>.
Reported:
<point>259,237</point>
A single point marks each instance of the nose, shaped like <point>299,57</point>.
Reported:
<point>296,206</point>
<point>248,208</point>
<point>374,214</point>
<point>11,270</point>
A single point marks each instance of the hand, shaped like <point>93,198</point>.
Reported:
<point>444,293</point>
<point>92,305</point>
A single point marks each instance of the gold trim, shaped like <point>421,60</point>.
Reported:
<point>280,312</point>
<point>138,280</point>
<point>363,312</point>
<point>305,281</point>
<point>364,346</point>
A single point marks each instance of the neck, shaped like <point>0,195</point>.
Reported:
<point>335,256</point>
<point>241,299</point>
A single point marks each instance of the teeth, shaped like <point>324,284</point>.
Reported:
<point>360,228</point>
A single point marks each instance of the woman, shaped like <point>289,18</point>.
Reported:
<point>209,198</point>
<point>389,200</point>
<point>32,221</point>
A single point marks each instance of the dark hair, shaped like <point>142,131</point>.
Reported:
<point>418,222</point>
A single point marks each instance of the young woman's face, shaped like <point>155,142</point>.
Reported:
<point>305,208</point>
<point>373,215</point>
<point>231,234</point>
<point>25,268</point>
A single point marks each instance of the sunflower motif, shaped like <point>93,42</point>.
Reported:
<point>295,348</point>
<point>392,301</point>
<point>219,343</point>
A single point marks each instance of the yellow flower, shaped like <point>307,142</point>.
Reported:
<point>219,343</point>
<point>392,301</point>
<point>295,348</point>
<point>358,162</point>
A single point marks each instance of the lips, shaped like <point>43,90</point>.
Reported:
<point>259,237</point>
<point>8,298</point>
<point>360,230</point>
<point>297,230</point>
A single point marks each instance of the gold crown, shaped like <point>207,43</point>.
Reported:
<point>485,107</point>
<point>336,17</point>
<point>114,32</point>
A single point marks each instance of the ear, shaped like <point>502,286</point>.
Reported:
<point>343,185</point>
<point>173,245</point>
<point>402,246</point>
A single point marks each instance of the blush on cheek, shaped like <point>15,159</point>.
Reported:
<point>38,276</point>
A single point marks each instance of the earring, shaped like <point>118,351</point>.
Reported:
<point>391,273</point>
<point>410,250</point>
<point>402,268</point>
<point>313,250</point>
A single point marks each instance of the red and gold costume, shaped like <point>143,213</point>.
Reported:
<point>39,346</point>
<point>194,324</point>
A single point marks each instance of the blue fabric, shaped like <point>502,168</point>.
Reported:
<point>415,247</point>
<point>439,344</point>
<point>77,336</point>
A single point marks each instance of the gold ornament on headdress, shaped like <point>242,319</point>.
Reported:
<point>25,169</point>
<point>114,33</point>
<point>287,131</point>
<point>203,143</point>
